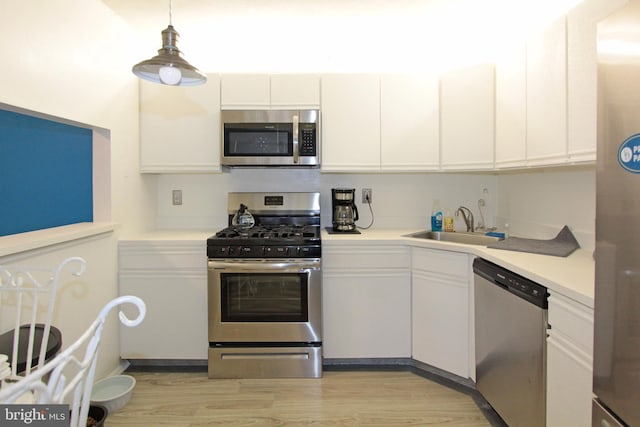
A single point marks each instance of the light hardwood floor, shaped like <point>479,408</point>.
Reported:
<point>340,398</point>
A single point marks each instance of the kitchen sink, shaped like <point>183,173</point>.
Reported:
<point>456,237</point>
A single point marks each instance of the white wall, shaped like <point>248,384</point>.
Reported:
<point>71,59</point>
<point>79,299</point>
<point>537,204</point>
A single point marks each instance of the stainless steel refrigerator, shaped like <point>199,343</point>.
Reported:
<point>616,367</point>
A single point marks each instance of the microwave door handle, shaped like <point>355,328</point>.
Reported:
<point>296,150</point>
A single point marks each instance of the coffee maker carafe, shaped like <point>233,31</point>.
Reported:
<point>345,212</point>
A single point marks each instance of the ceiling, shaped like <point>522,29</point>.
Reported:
<point>619,34</point>
<point>336,35</point>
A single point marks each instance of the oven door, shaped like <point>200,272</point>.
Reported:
<point>258,301</point>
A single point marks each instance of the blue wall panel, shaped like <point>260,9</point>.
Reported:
<point>45,174</point>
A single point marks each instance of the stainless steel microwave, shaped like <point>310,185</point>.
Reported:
<point>270,138</point>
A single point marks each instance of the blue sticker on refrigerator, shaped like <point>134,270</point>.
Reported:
<point>629,154</point>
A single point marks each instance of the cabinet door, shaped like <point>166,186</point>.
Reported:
<point>547,96</point>
<point>175,326</point>
<point>569,385</point>
<point>171,278</point>
<point>582,83</point>
<point>295,90</point>
<point>440,334</point>
<point>350,122</point>
<point>467,118</point>
<point>180,127</point>
<point>569,363</point>
<point>440,285</point>
<point>511,113</point>
<point>410,123</point>
<point>245,90</point>
<point>366,314</point>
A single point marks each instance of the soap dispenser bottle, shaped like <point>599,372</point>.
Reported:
<point>448,220</point>
<point>436,216</point>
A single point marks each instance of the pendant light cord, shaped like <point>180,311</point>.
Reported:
<point>170,13</point>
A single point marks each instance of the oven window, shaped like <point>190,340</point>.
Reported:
<point>264,297</point>
<point>255,139</point>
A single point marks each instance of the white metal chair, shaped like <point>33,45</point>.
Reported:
<point>72,371</point>
<point>27,299</point>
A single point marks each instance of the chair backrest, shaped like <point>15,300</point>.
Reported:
<point>70,374</point>
<point>27,300</point>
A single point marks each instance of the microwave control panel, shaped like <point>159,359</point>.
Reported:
<point>308,139</point>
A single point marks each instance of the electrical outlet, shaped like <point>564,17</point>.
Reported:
<point>176,197</point>
<point>366,195</point>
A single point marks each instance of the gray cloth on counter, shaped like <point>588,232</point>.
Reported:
<point>562,245</point>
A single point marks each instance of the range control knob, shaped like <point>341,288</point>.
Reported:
<point>282,250</point>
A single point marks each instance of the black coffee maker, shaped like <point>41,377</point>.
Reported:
<point>345,212</point>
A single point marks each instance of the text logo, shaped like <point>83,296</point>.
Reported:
<point>629,154</point>
<point>34,415</point>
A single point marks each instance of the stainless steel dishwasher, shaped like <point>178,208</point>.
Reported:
<point>510,336</point>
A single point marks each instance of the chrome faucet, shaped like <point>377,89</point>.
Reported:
<point>468,217</point>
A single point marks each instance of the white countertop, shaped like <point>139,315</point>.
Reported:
<point>37,239</point>
<point>170,235</point>
<point>572,276</point>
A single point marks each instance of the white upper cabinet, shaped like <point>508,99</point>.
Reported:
<point>270,91</point>
<point>180,127</point>
<point>350,122</point>
<point>245,90</point>
<point>582,71</point>
<point>290,90</point>
<point>546,99</point>
<point>410,123</point>
<point>467,118</point>
<point>547,96</point>
<point>511,110</point>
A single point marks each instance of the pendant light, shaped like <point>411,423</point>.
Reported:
<point>168,67</point>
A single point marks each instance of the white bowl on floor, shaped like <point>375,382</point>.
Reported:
<point>113,392</point>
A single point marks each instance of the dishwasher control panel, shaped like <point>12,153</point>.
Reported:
<point>514,283</point>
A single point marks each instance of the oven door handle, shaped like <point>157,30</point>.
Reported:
<point>253,266</point>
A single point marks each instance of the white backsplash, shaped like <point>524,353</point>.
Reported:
<point>535,204</point>
<point>399,200</point>
<point>538,204</point>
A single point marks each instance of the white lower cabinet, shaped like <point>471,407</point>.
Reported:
<point>440,309</point>
<point>569,363</point>
<point>171,278</point>
<point>366,301</point>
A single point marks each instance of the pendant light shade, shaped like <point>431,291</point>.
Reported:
<point>168,66</point>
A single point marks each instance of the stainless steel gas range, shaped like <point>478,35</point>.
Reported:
<point>265,288</point>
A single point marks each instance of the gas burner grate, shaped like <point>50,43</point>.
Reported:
<point>269,232</point>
